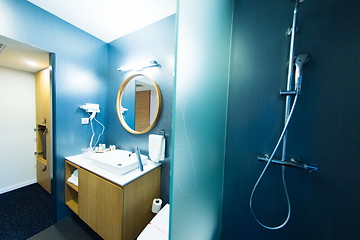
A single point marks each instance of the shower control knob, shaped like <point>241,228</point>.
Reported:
<point>295,160</point>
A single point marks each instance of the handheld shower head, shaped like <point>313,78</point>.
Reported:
<point>300,60</point>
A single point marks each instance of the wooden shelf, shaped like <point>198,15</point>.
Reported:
<point>71,190</point>
<point>41,159</point>
<point>73,205</point>
<point>73,186</point>
<point>72,164</point>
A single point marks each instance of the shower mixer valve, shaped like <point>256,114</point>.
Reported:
<point>292,162</point>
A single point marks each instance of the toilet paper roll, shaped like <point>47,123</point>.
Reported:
<point>156,206</point>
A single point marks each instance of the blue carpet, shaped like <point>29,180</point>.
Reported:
<point>24,212</point>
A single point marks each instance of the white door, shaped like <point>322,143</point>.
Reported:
<point>17,122</point>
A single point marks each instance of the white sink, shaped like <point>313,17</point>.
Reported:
<point>118,161</point>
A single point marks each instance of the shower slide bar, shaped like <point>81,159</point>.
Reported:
<point>290,163</point>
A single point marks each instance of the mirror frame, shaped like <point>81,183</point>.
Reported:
<point>119,98</point>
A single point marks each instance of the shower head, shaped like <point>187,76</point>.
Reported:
<point>298,1</point>
<point>300,60</point>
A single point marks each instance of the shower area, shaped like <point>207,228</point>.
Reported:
<point>324,128</point>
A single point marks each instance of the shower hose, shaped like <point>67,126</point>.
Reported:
<point>283,174</point>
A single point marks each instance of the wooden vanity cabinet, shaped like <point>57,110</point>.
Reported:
<point>114,211</point>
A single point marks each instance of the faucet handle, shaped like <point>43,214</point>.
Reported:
<point>137,152</point>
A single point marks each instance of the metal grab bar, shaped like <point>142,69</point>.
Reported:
<point>291,163</point>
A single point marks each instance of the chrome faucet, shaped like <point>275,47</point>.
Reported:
<point>137,152</point>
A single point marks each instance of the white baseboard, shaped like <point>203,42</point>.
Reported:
<point>16,186</point>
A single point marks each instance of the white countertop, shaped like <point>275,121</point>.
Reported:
<point>84,162</point>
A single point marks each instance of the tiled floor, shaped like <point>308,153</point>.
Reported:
<point>67,229</point>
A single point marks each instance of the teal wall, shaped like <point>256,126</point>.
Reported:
<point>154,42</point>
<point>80,77</point>
<point>128,102</point>
<point>199,118</point>
<point>324,130</point>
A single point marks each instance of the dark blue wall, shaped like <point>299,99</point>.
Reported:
<point>155,42</point>
<point>80,77</point>
<point>325,128</point>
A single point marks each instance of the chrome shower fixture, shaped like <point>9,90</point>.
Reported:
<point>300,60</point>
<point>293,87</point>
<point>292,162</point>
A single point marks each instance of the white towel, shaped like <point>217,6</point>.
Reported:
<point>156,147</point>
<point>74,178</point>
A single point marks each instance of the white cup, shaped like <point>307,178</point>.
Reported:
<point>102,147</point>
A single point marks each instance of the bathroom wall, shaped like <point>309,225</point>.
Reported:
<point>154,42</point>
<point>17,121</point>
<point>325,129</point>
<point>80,77</point>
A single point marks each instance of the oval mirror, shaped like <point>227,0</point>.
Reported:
<point>138,103</point>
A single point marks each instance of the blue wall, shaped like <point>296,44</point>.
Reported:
<point>80,77</point>
<point>325,128</point>
<point>128,102</point>
<point>155,42</point>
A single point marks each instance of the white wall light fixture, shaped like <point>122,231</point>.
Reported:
<point>151,64</point>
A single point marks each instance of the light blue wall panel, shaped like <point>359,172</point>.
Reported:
<point>199,118</point>
<point>80,77</point>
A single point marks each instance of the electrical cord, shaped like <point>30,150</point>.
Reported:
<point>102,131</point>
<point>93,133</point>
<point>283,175</point>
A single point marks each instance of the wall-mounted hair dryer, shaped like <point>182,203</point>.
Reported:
<point>91,108</point>
<point>300,60</point>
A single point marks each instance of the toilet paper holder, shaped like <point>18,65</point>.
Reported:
<point>160,132</point>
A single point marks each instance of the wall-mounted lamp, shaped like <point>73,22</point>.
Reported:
<point>152,63</point>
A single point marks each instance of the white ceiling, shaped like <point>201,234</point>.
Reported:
<point>17,55</point>
<point>109,19</point>
<point>105,19</point>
